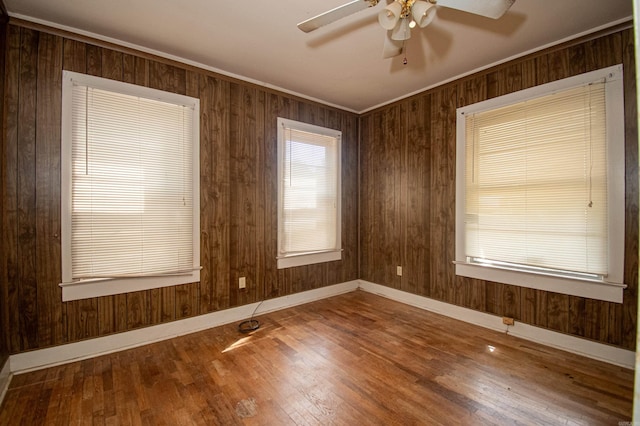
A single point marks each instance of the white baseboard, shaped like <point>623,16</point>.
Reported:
<point>588,348</point>
<point>5,379</point>
<point>57,355</point>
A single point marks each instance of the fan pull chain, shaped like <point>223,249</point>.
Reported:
<point>404,50</point>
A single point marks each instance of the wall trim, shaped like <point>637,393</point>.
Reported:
<point>5,378</point>
<point>590,349</point>
<point>77,351</point>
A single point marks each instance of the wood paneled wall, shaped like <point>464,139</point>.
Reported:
<point>405,211</point>
<point>238,193</point>
<point>407,197</point>
<point>4,317</point>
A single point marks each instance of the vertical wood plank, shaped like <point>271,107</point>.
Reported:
<point>577,323</point>
<point>112,67</point>
<point>4,314</point>
<point>94,60</point>
<point>186,300</point>
<point>442,214</point>
<point>167,307</point>
<point>511,301</point>
<point>155,306</point>
<point>138,314</point>
<point>627,315</point>
<point>75,54</point>
<point>268,205</point>
<point>371,132</point>
<point>617,330</point>
<point>350,204</point>
<point>416,241</point>
<point>393,142</point>
<point>11,259</point>
<point>82,319</point>
<point>262,121</point>
<point>27,281</point>
<point>129,68</point>
<point>558,312</point>
<point>528,305</point>
<point>603,52</point>
<point>242,151</point>
<point>206,199</point>
<point>493,298</point>
<point>48,250</point>
<point>366,206</point>
<point>594,312</point>
<point>167,77</point>
<point>219,192</point>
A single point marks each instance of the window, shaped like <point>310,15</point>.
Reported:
<point>540,187</point>
<point>130,188</point>
<point>308,194</point>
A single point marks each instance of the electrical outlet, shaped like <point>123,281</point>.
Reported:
<point>242,282</point>
<point>507,321</point>
<point>399,271</point>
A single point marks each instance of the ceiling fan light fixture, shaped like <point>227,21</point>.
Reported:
<point>401,15</point>
<point>391,48</point>
<point>401,31</point>
<point>390,15</point>
<point>423,12</point>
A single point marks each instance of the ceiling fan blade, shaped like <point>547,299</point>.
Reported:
<point>391,47</point>
<point>489,8</point>
<point>335,14</point>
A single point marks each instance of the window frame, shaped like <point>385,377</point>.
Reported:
<point>611,287</point>
<point>300,259</point>
<point>96,287</point>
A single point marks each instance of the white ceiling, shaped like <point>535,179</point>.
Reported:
<point>340,64</point>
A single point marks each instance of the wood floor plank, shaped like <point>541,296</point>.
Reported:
<point>354,358</point>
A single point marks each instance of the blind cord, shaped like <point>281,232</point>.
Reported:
<point>590,151</point>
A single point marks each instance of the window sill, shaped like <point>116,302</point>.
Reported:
<point>599,290</point>
<point>309,259</point>
<point>106,287</point>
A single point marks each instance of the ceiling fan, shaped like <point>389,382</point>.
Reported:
<point>400,16</point>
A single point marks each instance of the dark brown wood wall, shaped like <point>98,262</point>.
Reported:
<point>4,317</point>
<point>407,197</point>
<point>238,193</point>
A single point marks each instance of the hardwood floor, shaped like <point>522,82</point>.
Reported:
<point>351,359</point>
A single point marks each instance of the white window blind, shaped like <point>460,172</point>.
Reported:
<point>309,190</point>
<point>537,183</point>
<point>133,208</point>
<point>540,187</point>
